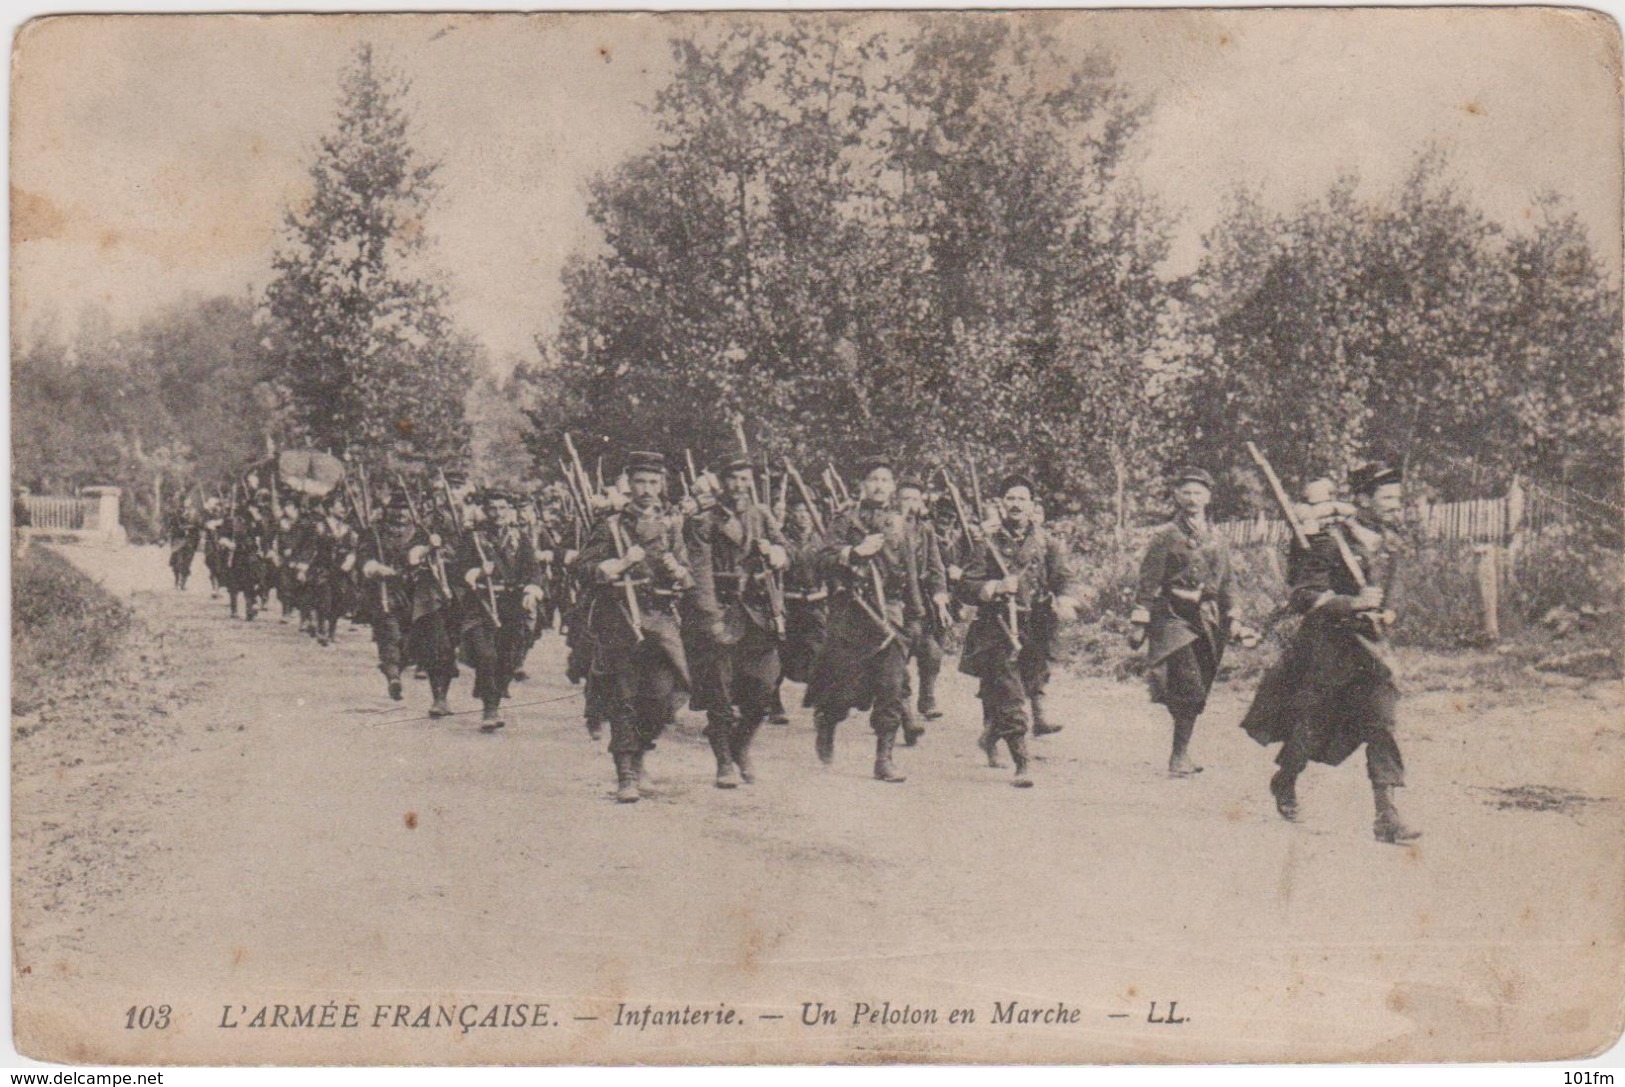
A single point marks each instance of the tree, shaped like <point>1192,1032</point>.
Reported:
<point>364,350</point>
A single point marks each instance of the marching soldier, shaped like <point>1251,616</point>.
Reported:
<point>214,556</point>
<point>806,595</point>
<point>384,570</point>
<point>436,589</point>
<point>327,555</point>
<point>1183,604</point>
<point>504,583</point>
<point>737,551</point>
<point>875,615</point>
<point>241,534</point>
<point>927,646</point>
<point>639,566</point>
<point>1023,591</point>
<point>185,531</point>
<point>1333,689</point>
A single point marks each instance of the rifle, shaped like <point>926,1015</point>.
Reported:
<point>806,495</point>
<point>377,537</point>
<point>417,523</point>
<point>1298,534</point>
<point>490,600</point>
<point>1011,621</point>
<point>634,613</point>
<point>775,591</point>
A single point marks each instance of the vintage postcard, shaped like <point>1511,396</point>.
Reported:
<point>864,537</point>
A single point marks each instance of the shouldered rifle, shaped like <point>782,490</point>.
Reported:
<point>489,601</point>
<point>1279,492</point>
<point>1010,621</point>
<point>438,563</point>
<point>806,495</point>
<point>634,613</point>
<point>770,581</point>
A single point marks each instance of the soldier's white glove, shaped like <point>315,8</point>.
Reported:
<point>472,577</point>
<point>955,573</point>
<point>228,543</point>
<point>870,546</point>
<point>532,595</point>
<point>348,564</point>
<point>374,568</point>
<point>1369,598</point>
<point>777,557</point>
<point>544,556</point>
<point>634,555</point>
<point>1066,609</point>
<point>570,556</point>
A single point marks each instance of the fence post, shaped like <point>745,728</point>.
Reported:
<point>1489,590</point>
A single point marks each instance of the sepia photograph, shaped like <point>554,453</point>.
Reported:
<point>804,538</point>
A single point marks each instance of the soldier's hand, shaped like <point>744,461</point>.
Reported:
<point>777,557</point>
<point>1010,586</point>
<point>1136,636</point>
<point>718,630</point>
<point>570,556</point>
<point>544,557</point>
<point>871,545</point>
<point>634,554</point>
<point>472,577</point>
<point>383,569</point>
<point>1066,609</point>
<point>1369,598</point>
<point>955,573</point>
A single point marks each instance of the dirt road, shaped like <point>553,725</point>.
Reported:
<point>282,833</point>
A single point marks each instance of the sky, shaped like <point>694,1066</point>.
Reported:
<point>152,156</point>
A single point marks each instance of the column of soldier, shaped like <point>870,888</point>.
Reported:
<point>716,597</point>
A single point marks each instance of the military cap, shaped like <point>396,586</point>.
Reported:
<point>456,478</point>
<point>1190,474</point>
<point>910,483</point>
<point>495,494</point>
<point>397,501</point>
<point>1368,477</point>
<point>1014,480</point>
<point>945,504</point>
<point>870,462</point>
<point>645,461</point>
<point>793,498</point>
<point>736,463</point>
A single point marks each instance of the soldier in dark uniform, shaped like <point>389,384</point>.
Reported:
<point>241,539</point>
<point>638,651</point>
<point>214,556</point>
<point>927,646</point>
<point>737,552</point>
<point>1183,604</point>
<point>504,583</point>
<point>1019,573</point>
<point>1333,689</point>
<point>876,612</point>
<point>436,606</point>
<point>384,571</point>
<point>327,555</point>
<point>185,531</point>
<point>806,595</point>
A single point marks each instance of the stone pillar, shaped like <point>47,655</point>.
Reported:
<point>102,523</point>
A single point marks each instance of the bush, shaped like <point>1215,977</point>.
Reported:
<point>62,625</point>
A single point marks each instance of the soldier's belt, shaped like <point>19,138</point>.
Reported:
<point>810,598</point>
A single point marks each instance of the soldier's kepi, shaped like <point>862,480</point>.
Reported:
<point>639,565</point>
<point>1333,689</point>
<point>1016,570</point>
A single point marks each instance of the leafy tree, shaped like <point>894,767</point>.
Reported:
<point>365,351</point>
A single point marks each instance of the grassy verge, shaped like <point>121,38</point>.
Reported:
<point>64,628</point>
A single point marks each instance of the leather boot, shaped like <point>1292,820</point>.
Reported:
<point>988,742</point>
<point>727,773</point>
<point>626,780</point>
<point>595,728</point>
<point>1284,787</point>
<point>1389,827</point>
<point>1018,752</point>
<point>776,714</point>
<point>1041,726</point>
<point>742,737</point>
<point>884,770</point>
<point>912,729</point>
<point>491,718</point>
<point>394,679</point>
<point>639,778</point>
<point>928,698</point>
<point>824,742</point>
<point>438,690</point>
<point>1179,762</point>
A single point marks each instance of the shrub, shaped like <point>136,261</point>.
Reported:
<point>63,625</point>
